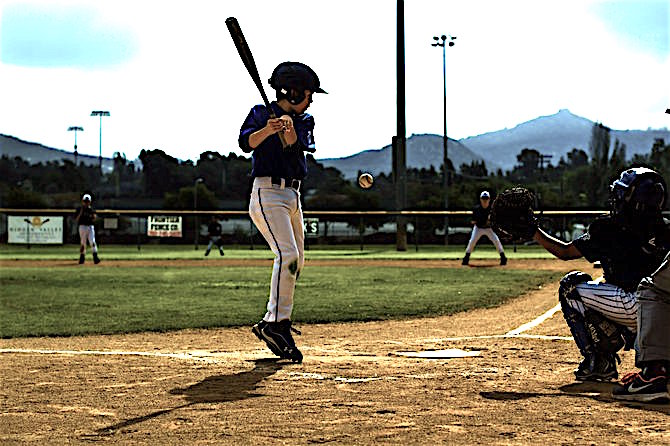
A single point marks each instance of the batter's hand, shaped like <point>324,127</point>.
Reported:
<point>275,125</point>
<point>287,124</point>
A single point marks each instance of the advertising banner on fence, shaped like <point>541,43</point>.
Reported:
<point>37,230</point>
<point>164,226</point>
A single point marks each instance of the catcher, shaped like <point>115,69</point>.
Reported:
<point>630,242</point>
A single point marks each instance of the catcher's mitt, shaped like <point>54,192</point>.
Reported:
<point>512,216</point>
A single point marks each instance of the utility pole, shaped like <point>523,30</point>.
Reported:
<point>195,208</point>
<point>399,144</point>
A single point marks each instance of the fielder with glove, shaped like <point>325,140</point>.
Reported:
<point>481,226</point>
<point>602,315</point>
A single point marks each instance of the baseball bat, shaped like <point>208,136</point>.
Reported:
<point>248,60</point>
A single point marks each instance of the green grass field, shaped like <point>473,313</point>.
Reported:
<point>169,252</point>
<point>70,300</point>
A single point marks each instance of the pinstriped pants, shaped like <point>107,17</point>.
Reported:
<point>277,213</point>
<point>609,300</point>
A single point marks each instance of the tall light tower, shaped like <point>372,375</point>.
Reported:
<point>443,42</point>
<point>101,114</point>
<point>75,129</point>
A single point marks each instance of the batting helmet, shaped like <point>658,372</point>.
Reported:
<point>291,79</point>
<point>639,190</point>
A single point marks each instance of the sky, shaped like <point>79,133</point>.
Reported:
<point>170,76</point>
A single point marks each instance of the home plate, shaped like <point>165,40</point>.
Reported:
<point>439,354</point>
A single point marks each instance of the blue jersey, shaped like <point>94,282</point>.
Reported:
<point>269,159</point>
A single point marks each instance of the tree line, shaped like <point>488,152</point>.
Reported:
<point>578,180</point>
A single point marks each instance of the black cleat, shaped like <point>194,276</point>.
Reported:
<point>503,259</point>
<point>277,336</point>
<point>96,259</point>
<point>635,387</point>
<point>82,259</point>
<point>466,259</point>
<point>598,368</point>
<point>221,252</point>
<point>258,331</point>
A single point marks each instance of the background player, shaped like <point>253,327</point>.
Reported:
<point>214,232</point>
<point>85,216</point>
<point>275,205</point>
<point>602,316</point>
<point>482,226</point>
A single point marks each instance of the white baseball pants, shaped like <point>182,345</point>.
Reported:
<point>276,212</point>
<point>87,233</point>
<point>477,233</point>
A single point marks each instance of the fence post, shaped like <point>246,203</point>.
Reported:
<point>416,233</point>
<point>139,235</point>
<point>251,234</point>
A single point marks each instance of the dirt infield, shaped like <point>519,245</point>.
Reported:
<point>223,387</point>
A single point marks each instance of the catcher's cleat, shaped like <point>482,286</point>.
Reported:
<point>82,259</point>
<point>277,336</point>
<point>635,387</point>
<point>597,368</point>
<point>221,252</point>
<point>503,259</point>
<point>96,259</point>
<point>466,259</point>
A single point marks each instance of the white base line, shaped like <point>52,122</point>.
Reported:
<point>535,322</point>
<point>195,356</point>
<point>210,357</point>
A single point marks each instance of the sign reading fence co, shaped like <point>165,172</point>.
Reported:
<point>33,229</point>
<point>164,226</point>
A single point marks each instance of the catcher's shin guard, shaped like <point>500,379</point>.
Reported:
<point>575,320</point>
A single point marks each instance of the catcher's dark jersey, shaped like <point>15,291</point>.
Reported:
<point>480,215</point>
<point>269,159</point>
<point>87,216</point>
<point>625,257</point>
<point>214,228</point>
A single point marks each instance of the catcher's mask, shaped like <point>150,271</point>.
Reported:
<point>638,192</point>
<point>291,79</point>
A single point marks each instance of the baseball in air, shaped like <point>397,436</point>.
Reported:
<point>365,180</point>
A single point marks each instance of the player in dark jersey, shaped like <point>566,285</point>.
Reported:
<point>275,206</point>
<point>85,217</point>
<point>602,315</point>
<point>482,226</point>
<point>214,231</point>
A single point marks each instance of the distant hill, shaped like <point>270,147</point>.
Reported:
<point>422,152</point>
<point>555,135</point>
<point>35,153</point>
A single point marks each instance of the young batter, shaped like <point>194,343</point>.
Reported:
<point>482,226</point>
<point>85,216</point>
<point>274,206</point>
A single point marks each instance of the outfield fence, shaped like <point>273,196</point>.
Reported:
<point>134,226</point>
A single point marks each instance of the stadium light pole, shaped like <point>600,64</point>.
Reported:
<point>195,208</point>
<point>75,129</point>
<point>100,113</point>
<point>443,42</point>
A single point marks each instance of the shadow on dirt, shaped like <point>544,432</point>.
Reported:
<point>598,391</point>
<point>214,389</point>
